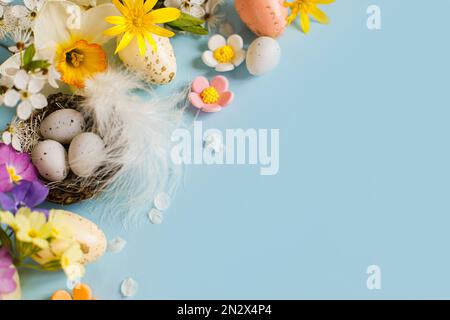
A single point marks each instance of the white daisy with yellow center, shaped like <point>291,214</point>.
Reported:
<point>224,54</point>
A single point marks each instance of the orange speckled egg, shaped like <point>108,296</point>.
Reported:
<point>263,17</point>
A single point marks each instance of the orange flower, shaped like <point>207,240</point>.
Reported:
<point>79,61</point>
<point>73,45</point>
<point>80,292</point>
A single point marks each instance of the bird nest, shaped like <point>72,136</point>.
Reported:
<point>73,189</point>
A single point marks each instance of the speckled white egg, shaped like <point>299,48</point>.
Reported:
<point>91,238</point>
<point>62,125</point>
<point>50,158</point>
<point>86,154</point>
<point>158,67</point>
<point>263,56</point>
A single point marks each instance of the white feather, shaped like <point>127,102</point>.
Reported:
<point>137,135</point>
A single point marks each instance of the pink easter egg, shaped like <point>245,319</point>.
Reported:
<point>263,17</point>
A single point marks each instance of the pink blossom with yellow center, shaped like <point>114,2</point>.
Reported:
<point>211,97</point>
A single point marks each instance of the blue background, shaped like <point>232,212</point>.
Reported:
<point>364,173</point>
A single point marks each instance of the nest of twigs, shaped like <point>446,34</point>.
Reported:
<point>73,189</point>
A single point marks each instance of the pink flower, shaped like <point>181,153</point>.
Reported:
<point>7,283</point>
<point>14,167</point>
<point>211,97</point>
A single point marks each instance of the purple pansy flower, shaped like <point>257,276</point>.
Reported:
<point>14,167</point>
<point>26,194</point>
<point>7,283</point>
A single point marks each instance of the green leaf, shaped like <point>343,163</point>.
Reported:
<point>187,19</point>
<point>196,30</point>
<point>29,54</point>
<point>189,23</point>
<point>5,240</point>
<point>54,265</point>
<point>37,64</point>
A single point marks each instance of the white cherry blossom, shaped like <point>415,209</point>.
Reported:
<point>25,94</point>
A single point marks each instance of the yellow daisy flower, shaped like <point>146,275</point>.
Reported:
<point>306,8</point>
<point>140,20</point>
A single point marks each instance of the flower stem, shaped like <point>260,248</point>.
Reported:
<point>5,240</point>
<point>31,266</point>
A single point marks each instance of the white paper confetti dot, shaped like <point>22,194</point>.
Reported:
<point>162,201</point>
<point>129,287</point>
<point>6,137</point>
<point>155,216</point>
<point>116,245</point>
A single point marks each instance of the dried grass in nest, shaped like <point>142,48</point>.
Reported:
<point>137,132</point>
<point>73,189</point>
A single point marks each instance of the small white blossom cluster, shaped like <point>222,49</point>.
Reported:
<point>16,22</point>
<point>23,77</point>
<point>22,88</point>
<point>201,9</point>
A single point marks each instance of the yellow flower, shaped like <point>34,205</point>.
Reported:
<point>80,60</point>
<point>13,175</point>
<point>71,262</point>
<point>305,8</point>
<point>8,219</point>
<point>30,227</point>
<point>60,228</point>
<point>73,41</point>
<point>71,256</point>
<point>140,21</point>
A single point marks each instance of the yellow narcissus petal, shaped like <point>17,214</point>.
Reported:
<point>80,61</point>
<point>304,22</point>
<point>141,21</point>
<point>93,24</point>
<point>115,31</point>
<point>95,59</point>
<point>304,8</point>
<point>128,4</point>
<point>125,41</point>
<point>51,26</point>
<point>123,10</point>
<point>161,31</point>
<point>164,15</point>
<point>141,44</point>
<point>322,1</point>
<point>319,15</point>
<point>292,16</point>
<point>115,20</point>
<point>149,5</point>
<point>150,40</point>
